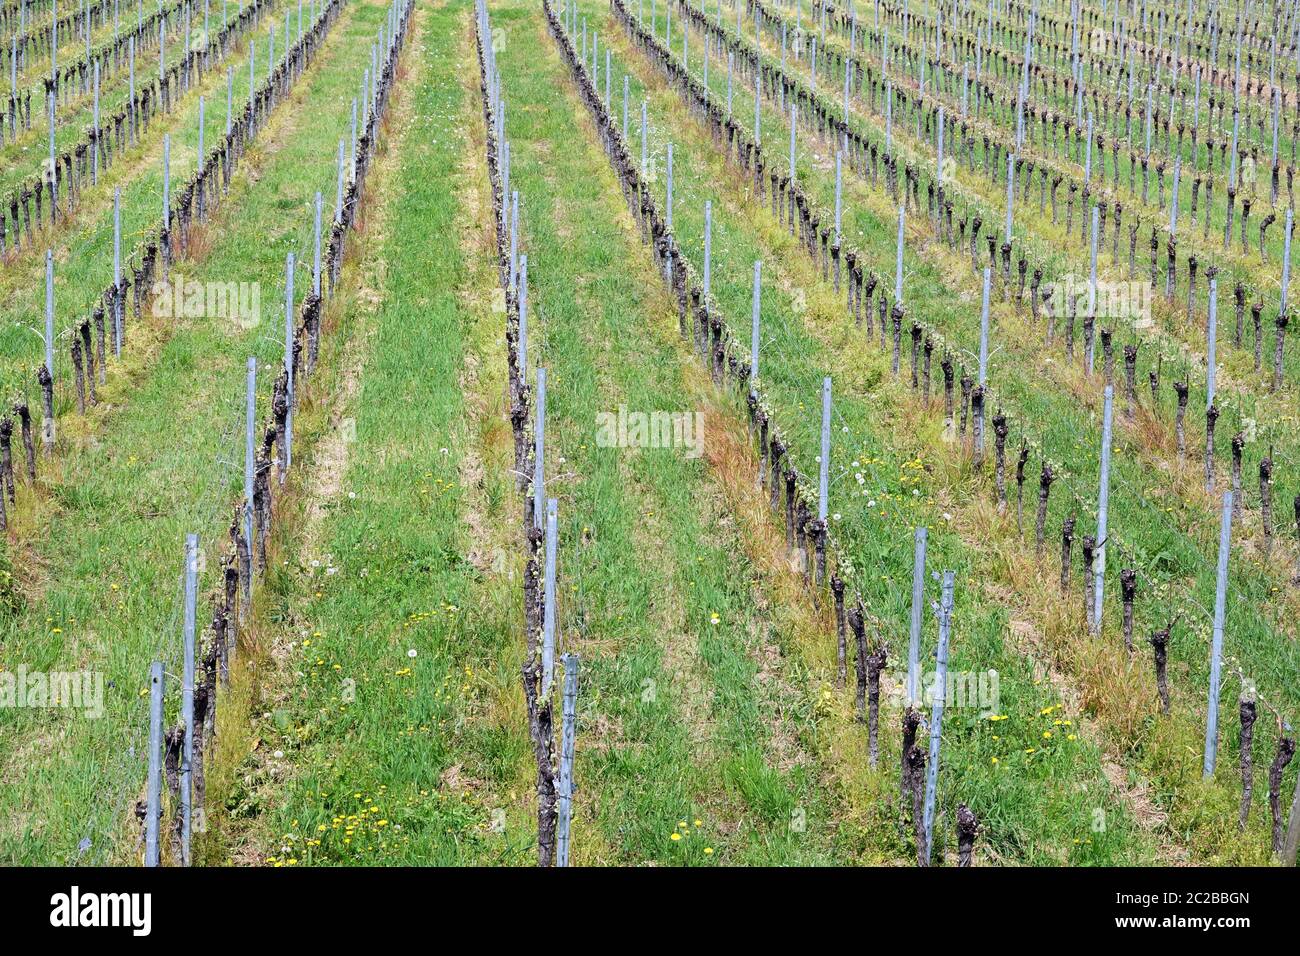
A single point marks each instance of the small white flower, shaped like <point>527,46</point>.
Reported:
<point>836,516</point>
<point>871,503</point>
<point>411,652</point>
<point>278,755</point>
<point>352,494</point>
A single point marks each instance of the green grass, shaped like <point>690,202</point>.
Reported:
<point>732,289</point>
<point>875,529</point>
<point>376,716</point>
<point>649,649</point>
<point>106,561</point>
<point>22,156</point>
<point>395,530</point>
<point>83,243</point>
<point>1110,123</point>
<point>1175,345</point>
<point>1176,544</point>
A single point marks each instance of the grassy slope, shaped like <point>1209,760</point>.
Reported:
<point>1020,363</point>
<point>1107,684</point>
<point>730,733</point>
<point>707,672</point>
<point>674,647</point>
<point>21,157</point>
<point>110,539</point>
<point>1187,528</point>
<point>407,575</point>
<point>668,695</point>
<point>83,242</point>
<point>889,446</point>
